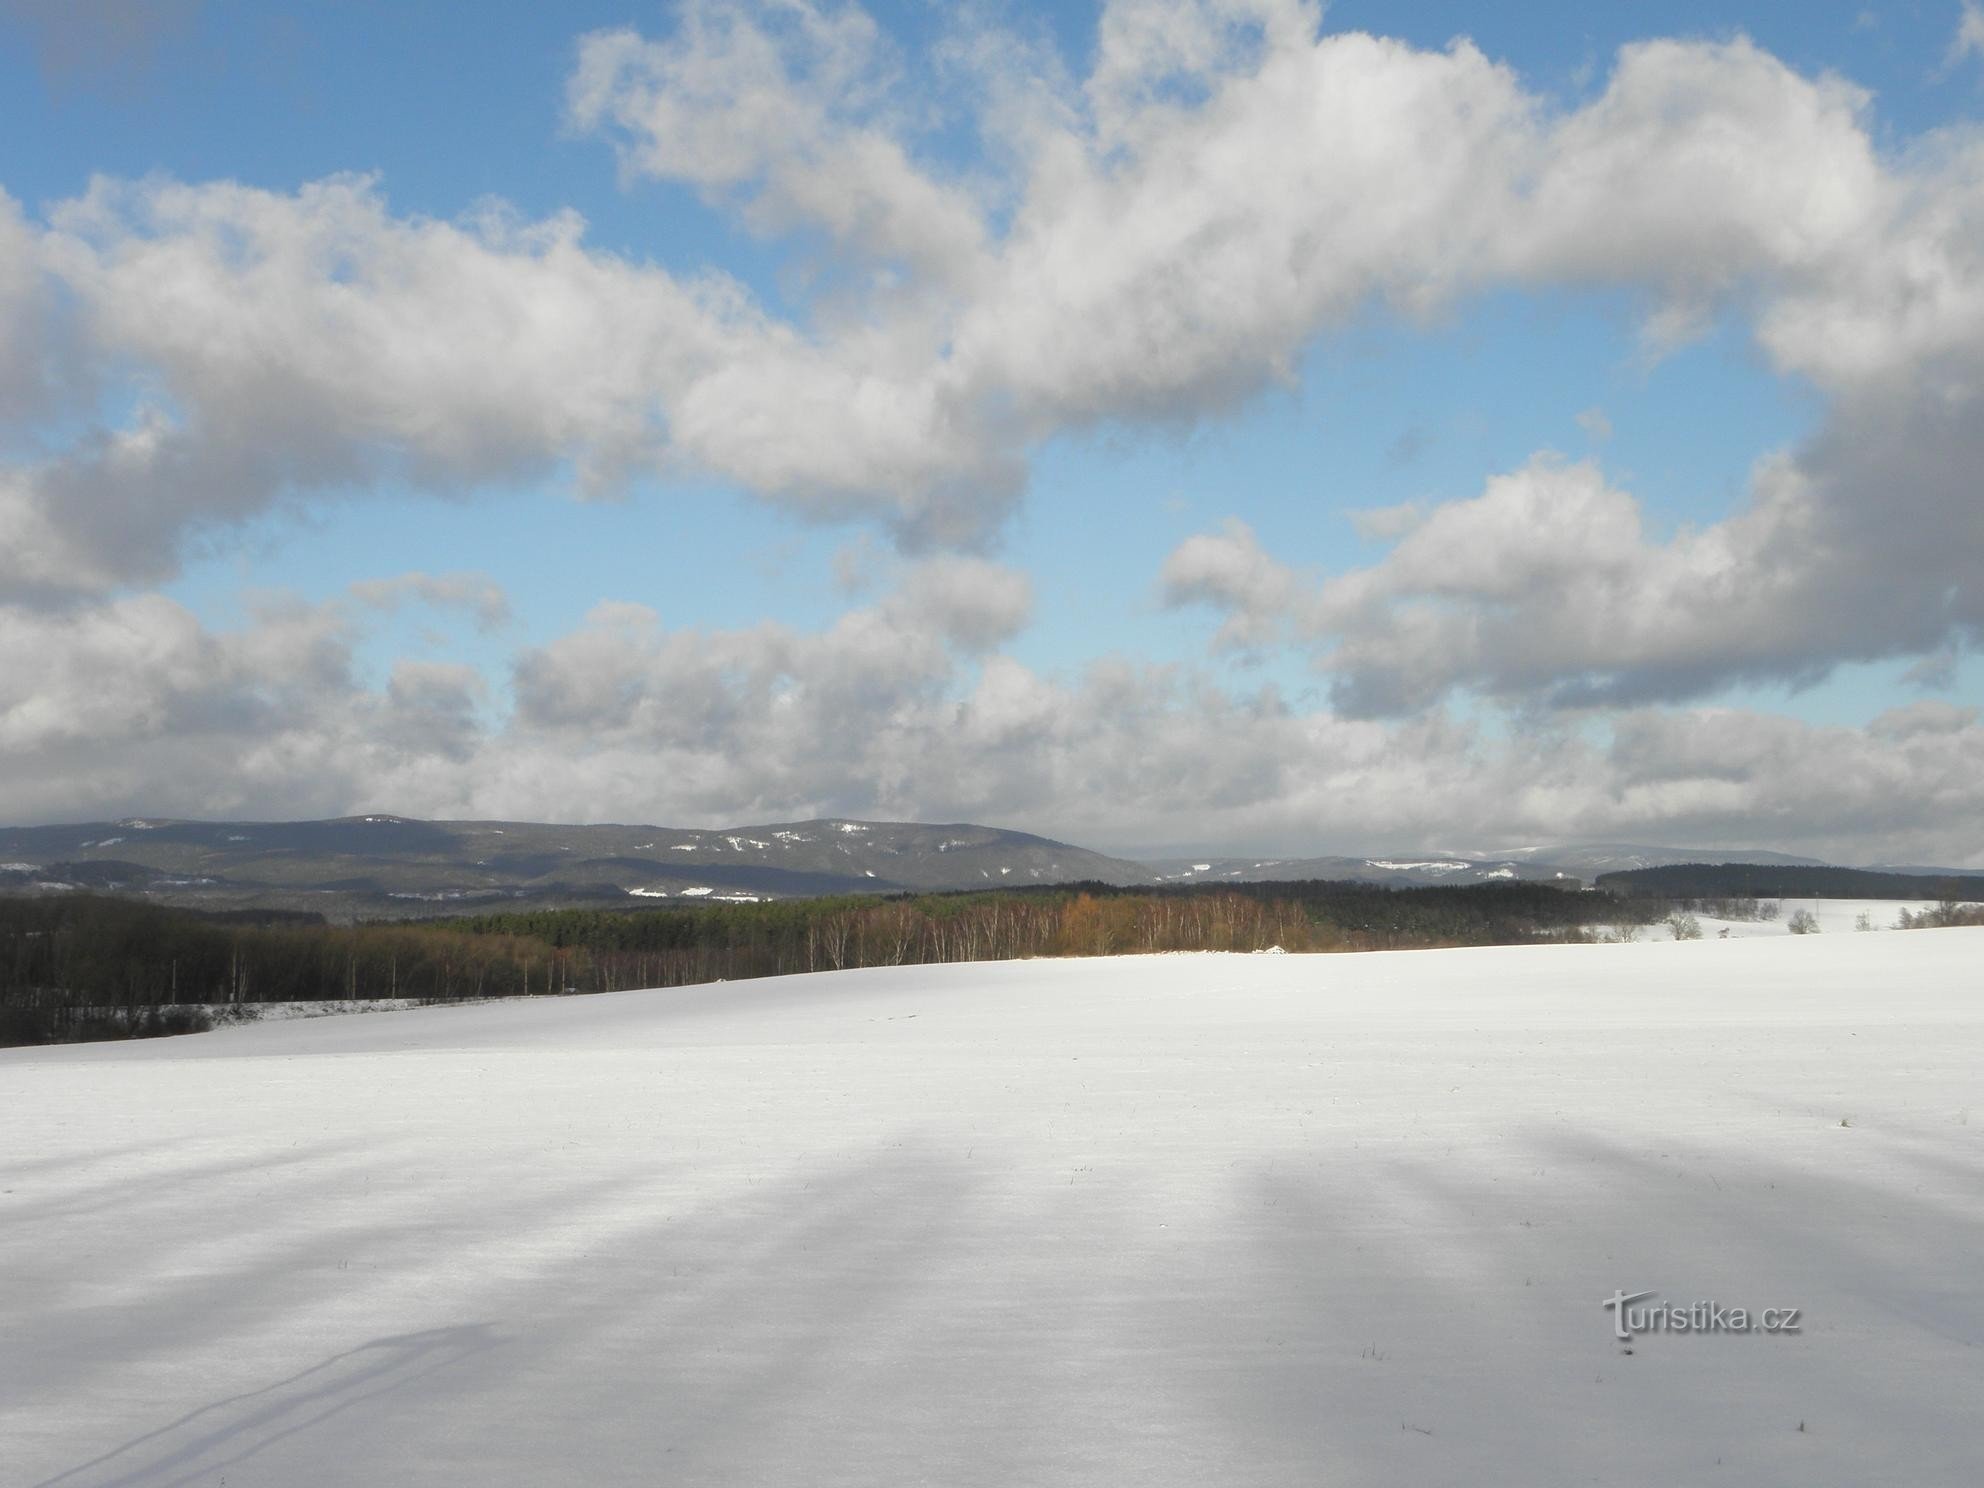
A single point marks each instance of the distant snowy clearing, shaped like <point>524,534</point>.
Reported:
<point>1189,1219</point>
<point>1834,916</point>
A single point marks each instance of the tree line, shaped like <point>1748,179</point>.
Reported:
<point>1787,881</point>
<point>84,965</point>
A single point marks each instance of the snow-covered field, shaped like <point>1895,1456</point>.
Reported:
<point>1177,1220</point>
<point>1834,916</point>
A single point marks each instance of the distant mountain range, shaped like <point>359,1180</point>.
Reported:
<point>1581,861</point>
<point>372,866</point>
<point>394,866</point>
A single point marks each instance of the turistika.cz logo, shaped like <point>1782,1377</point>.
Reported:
<point>1630,1318</point>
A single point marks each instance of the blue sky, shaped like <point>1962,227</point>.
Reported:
<point>1387,391</point>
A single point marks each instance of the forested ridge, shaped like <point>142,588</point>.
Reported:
<point>90,965</point>
<point>1786,881</point>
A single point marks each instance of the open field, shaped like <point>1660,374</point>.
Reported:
<point>1834,917</point>
<point>1181,1219</point>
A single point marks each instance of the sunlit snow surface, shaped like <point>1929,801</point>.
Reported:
<point>1183,1220</point>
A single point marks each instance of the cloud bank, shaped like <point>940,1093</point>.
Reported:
<point>897,709</point>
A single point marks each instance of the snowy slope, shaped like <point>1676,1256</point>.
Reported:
<point>1176,1220</point>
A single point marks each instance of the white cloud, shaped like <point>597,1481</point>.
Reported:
<point>974,604</point>
<point>134,707</point>
<point>1232,572</point>
<point>1700,168</point>
<point>1225,186</point>
<point>1168,236</point>
<point>26,350</point>
<point>785,108</point>
<point>1547,587</point>
<point>1934,673</point>
<point>477,594</point>
<point>1969,38</point>
<point>1156,241</point>
<point>303,345</point>
<point>1387,523</point>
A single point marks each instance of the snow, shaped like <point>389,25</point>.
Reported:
<point>1430,865</point>
<point>20,867</point>
<point>649,893</point>
<point>248,1012</point>
<point>1259,1220</point>
<point>697,892</point>
<point>1841,915</point>
<point>280,1011</point>
<point>1835,916</point>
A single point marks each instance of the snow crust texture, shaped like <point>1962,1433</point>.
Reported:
<point>1244,1220</point>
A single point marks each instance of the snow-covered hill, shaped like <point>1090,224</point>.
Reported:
<point>395,866</point>
<point>1582,861</point>
<point>1181,1220</point>
<point>1401,870</point>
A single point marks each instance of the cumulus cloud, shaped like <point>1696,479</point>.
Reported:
<point>304,345</point>
<point>1229,183</point>
<point>1548,588</point>
<point>973,604</point>
<point>1232,572</point>
<point>784,110</point>
<point>103,706</point>
<point>432,712</point>
<point>741,711</point>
